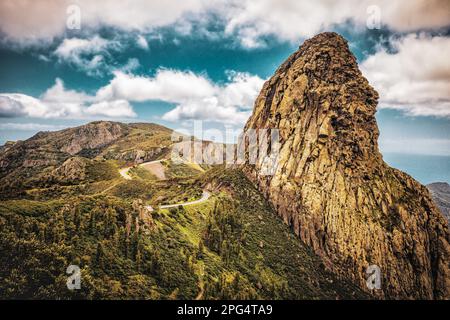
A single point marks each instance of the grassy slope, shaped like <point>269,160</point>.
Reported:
<point>259,257</point>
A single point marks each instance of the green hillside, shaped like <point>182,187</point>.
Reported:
<point>82,212</point>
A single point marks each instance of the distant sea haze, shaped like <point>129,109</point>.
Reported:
<point>424,168</point>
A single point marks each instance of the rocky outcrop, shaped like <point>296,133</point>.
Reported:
<point>72,170</point>
<point>136,155</point>
<point>440,191</point>
<point>92,136</point>
<point>7,145</point>
<point>331,183</point>
<point>53,148</point>
<point>143,218</point>
<point>66,156</point>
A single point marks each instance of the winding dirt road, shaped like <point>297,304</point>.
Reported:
<point>205,196</point>
<point>124,173</point>
<point>158,171</point>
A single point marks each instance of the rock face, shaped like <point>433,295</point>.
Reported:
<point>73,169</point>
<point>52,148</point>
<point>331,184</point>
<point>91,136</point>
<point>440,191</point>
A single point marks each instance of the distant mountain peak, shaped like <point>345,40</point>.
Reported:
<point>440,191</point>
<point>443,186</point>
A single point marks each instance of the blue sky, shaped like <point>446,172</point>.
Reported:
<point>176,62</point>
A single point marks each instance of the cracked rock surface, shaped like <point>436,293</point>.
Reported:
<point>331,184</point>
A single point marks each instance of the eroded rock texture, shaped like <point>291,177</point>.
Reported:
<point>331,184</point>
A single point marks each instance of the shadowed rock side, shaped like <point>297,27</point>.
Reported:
<point>332,185</point>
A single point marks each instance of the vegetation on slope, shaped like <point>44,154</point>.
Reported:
<point>231,246</point>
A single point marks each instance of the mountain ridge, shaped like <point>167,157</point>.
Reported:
<point>24,161</point>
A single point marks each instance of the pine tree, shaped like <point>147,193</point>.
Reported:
<point>200,250</point>
<point>93,224</point>
<point>138,260</point>
<point>100,256</point>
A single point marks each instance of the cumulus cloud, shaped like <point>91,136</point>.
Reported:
<point>46,19</point>
<point>249,20</point>
<point>58,93</point>
<point>241,90</point>
<point>93,55</point>
<point>167,85</point>
<point>57,102</point>
<point>111,109</point>
<point>415,77</point>
<point>292,20</point>
<point>195,96</point>
<point>16,104</point>
<point>415,15</point>
<point>30,22</point>
<point>208,109</point>
<point>9,107</point>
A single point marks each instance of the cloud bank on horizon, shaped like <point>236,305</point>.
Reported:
<point>411,72</point>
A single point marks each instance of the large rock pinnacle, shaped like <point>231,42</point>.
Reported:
<point>331,184</point>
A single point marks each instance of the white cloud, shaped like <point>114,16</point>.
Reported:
<point>416,78</point>
<point>131,65</point>
<point>58,93</point>
<point>249,20</point>
<point>208,109</point>
<point>142,42</point>
<point>195,96</point>
<point>138,14</point>
<point>72,48</point>
<point>293,20</point>
<point>16,104</point>
<point>241,90</point>
<point>111,109</point>
<point>30,22</point>
<point>46,19</point>
<point>90,55</point>
<point>415,15</point>
<point>166,85</point>
<point>86,54</point>
<point>57,102</point>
